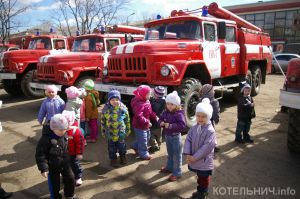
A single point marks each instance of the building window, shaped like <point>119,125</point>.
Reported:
<point>279,22</point>
<point>269,19</point>
<point>259,16</point>
<point>230,34</point>
<point>280,15</point>
<point>250,17</point>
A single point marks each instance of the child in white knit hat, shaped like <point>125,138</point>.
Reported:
<point>173,122</point>
<point>199,147</point>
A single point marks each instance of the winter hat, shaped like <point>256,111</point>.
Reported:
<point>59,122</point>
<point>207,90</point>
<point>114,94</point>
<point>173,98</point>
<point>159,91</point>
<point>142,91</point>
<point>89,85</point>
<point>72,92</point>
<point>51,88</point>
<point>70,116</point>
<point>244,86</point>
<point>205,107</point>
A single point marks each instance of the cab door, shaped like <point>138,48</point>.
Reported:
<point>211,49</point>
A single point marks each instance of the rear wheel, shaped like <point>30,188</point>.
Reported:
<point>12,87</point>
<point>29,91</point>
<point>190,97</point>
<point>256,80</point>
<point>293,140</point>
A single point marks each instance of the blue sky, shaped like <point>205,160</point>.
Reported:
<point>43,9</point>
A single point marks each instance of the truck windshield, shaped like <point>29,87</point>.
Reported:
<point>88,45</point>
<point>3,49</point>
<point>174,30</point>
<point>40,44</point>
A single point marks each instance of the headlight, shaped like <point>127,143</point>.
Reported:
<point>105,71</point>
<point>165,70</point>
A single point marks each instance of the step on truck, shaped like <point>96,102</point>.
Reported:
<point>290,98</point>
<point>186,50</point>
<point>88,55</point>
<point>19,66</point>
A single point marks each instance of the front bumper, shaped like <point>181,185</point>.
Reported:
<point>123,89</point>
<point>8,76</point>
<point>43,85</point>
<point>289,99</point>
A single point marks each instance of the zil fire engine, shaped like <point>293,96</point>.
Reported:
<point>19,66</point>
<point>185,51</point>
<point>290,98</point>
<point>89,53</point>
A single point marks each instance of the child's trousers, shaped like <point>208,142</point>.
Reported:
<point>76,167</point>
<point>93,125</point>
<point>140,144</point>
<point>116,147</point>
<point>68,180</point>
<point>155,139</point>
<point>243,126</point>
<point>174,149</point>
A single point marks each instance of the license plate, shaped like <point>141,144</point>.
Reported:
<point>8,76</point>
<point>43,86</point>
<point>126,90</point>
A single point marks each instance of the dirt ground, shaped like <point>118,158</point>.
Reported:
<point>266,164</point>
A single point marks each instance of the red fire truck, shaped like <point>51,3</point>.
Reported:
<point>184,51</point>
<point>19,66</point>
<point>89,53</point>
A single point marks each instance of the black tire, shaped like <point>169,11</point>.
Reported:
<point>189,91</point>
<point>293,139</point>
<point>12,87</point>
<point>256,80</point>
<point>27,90</point>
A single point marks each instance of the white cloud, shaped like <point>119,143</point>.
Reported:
<point>50,7</point>
<point>28,2</point>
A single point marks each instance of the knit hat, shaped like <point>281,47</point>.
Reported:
<point>70,116</point>
<point>173,98</point>
<point>72,92</point>
<point>205,107</point>
<point>59,122</point>
<point>159,91</point>
<point>89,85</point>
<point>207,90</point>
<point>244,86</point>
<point>51,88</point>
<point>142,91</point>
<point>114,94</point>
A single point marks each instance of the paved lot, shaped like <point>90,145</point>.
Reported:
<point>265,164</point>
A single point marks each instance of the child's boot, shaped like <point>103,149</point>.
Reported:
<point>123,159</point>
<point>78,182</point>
<point>114,163</point>
<point>74,197</point>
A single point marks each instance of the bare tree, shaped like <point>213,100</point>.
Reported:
<point>9,9</point>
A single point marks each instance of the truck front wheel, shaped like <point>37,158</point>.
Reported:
<point>293,140</point>
<point>27,90</point>
<point>12,87</point>
<point>190,97</point>
<point>256,80</point>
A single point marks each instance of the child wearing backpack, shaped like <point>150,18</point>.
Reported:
<point>91,110</point>
<point>199,148</point>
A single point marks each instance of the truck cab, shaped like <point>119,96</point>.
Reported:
<point>185,51</point>
<point>89,54</point>
<point>19,66</point>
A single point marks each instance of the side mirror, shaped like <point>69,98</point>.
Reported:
<point>221,30</point>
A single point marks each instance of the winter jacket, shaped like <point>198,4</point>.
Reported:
<point>115,122</point>
<point>200,143</point>
<point>50,107</point>
<point>245,110</point>
<point>175,119</point>
<point>52,152</point>
<point>75,141</point>
<point>82,111</point>
<point>91,105</point>
<point>142,113</point>
<point>74,105</point>
<point>158,106</point>
<point>216,108</point>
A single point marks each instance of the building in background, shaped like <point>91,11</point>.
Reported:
<point>281,19</point>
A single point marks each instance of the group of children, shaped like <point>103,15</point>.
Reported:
<point>154,118</point>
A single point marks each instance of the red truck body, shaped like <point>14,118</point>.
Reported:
<point>19,66</point>
<point>185,51</point>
